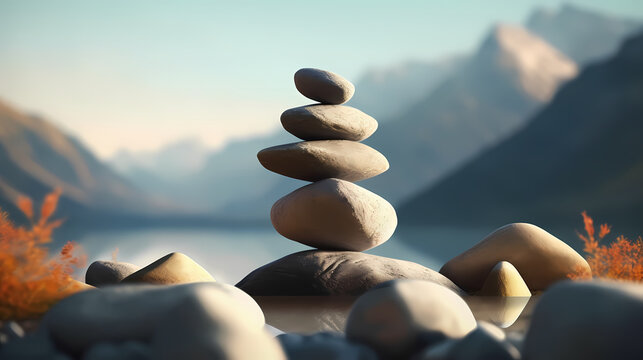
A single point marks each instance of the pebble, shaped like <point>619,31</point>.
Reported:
<point>101,273</point>
<point>322,159</point>
<point>504,280</point>
<point>328,122</point>
<point>323,346</point>
<point>323,86</point>
<point>404,317</point>
<point>174,268</point>
<point>334,214</point>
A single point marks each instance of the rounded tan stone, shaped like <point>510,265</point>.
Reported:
<point>328,122</point>
<point>323,159</point>
<point>334,214</point>
<point>504,280</point>
<point>540,257</point>
<point>323,86</point>
<point>174,268</point>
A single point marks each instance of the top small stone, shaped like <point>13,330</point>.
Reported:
<point>323,86</point>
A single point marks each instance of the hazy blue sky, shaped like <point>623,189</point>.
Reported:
<point>138,74</point>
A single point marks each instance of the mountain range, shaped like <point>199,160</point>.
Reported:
<point>36,157</point>
<point>581,152</point>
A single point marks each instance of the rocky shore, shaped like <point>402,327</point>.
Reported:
<point>386,308</point>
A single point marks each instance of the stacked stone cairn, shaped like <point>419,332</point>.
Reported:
<point>332,213</point>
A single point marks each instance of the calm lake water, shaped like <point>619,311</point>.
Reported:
<point>230,254</point>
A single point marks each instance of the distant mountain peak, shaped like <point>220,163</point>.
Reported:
<point>538,67</point>
<point>584,34</point>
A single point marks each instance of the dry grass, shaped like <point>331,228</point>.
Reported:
<point>622,259</point>
<point>31,280</point>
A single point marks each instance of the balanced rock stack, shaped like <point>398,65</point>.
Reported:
<point>332,213</point>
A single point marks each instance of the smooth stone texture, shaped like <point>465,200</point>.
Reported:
<point>132,312</point>
<point>36,346</point>
<point>174,268</point>
<point>323,346</point>
<point>316,272</point>
<point>587,320</point>
<point>323,159</point>
<point>328,122</point>
<point>541,258</point>
<point>323,86</point>
<point>334,214</point>
<point>101,273</point>
<point>486,342</point>
<point>504,280</point>
<point>404,317</point>
<point>208,326</point>
<point>128,350</point>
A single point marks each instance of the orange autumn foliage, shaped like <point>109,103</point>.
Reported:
<point>30,280</point>
<point>622,259</point>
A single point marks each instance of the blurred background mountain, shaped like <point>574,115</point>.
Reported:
<point>537,123</point>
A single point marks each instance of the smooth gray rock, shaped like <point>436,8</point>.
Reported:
<point>328,122</point>
<point>323,346</point>
<point>486,342</point>
<point>402,318</point>
<point>317,272</point>
<point>101,273</point>
<point>323,86</point>
<point>587,320</point>
<point>323,159</point>
<point>36,346</point>
<point>208,326</point>
<point>333,214</point>
<point>128,350</point>
<point>135,312</point>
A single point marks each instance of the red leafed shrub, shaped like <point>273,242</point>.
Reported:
<point>31,280</point>
<point>622,259</point>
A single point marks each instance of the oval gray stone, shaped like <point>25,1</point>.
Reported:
<point>316,272</point>
<point>323,86</point>
<point>323,159</point>
<point>101,273</point>
<point>587,320</point>
<point>333,214</point>
<point>407,316</point>
<point>328,122</point>
<point>135,312</point>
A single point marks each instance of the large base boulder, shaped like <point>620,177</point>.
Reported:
<point>317,272</point>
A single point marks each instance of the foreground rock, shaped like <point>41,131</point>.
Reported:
<point>323,159</point>
<point>323,346</point>
<point>174,268</point>
<point>541,258</point>
<point>138,312</point>
<point>406,316</point>
<point>101,273</point>
<point>128,350</point>
<point>323,86</point>
<point>328,122</point>
<point>209,326</point>
<point>504,280</point>
<point>32,347</point>
<point>317,272</point>
<point>590,320</point>
<point>334,214</point>
<point>486,342</point>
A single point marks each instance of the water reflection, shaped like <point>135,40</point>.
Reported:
<point>310,314</point>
